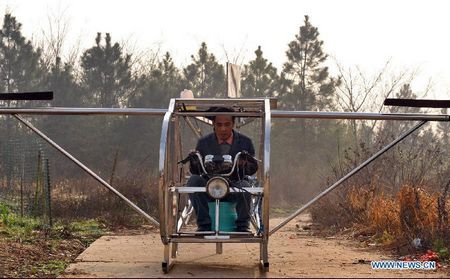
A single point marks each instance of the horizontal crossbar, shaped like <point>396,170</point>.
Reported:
<point>188,190</point>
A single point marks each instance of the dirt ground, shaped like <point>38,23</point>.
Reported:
<point>41,258</point>
<point>293,252</point>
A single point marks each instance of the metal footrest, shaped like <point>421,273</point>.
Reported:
<point>211,237</point>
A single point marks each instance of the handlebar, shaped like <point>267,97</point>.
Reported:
<point>200,159</point>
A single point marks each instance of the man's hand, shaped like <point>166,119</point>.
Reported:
<point>242,162</point>
<point>247,162</point>
<point>244,158</point>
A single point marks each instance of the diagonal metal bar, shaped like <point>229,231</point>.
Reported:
<point>347,176</point>
<point>197,132</point>
<point>86,169</point>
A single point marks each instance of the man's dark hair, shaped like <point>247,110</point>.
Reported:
<point>219,109</point>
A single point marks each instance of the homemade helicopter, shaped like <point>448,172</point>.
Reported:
<point>173,215</point>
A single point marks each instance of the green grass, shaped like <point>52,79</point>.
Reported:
<point>53,267</point>
<point>15,227</point>
<point>86,230</point>
<point>55,240</point>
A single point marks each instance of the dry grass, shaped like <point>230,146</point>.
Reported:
<point>89,199</point>
<point>396,220</point>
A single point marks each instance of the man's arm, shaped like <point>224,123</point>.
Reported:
<point>194,165</point>
<point>248,164</point>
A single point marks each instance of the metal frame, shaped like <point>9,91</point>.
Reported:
<point>170,152</point>
<point>172,183</point>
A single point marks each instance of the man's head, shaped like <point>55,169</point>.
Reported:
<point>223,124</point>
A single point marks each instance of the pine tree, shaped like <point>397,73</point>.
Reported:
<point>154,90</point>
<point>306,82</point>
<point>205,76</point>
<point>106,72</point>
<point>392,129</point>
<point>19,72</point>
<point>19,61</point>
<point>306,144</point>
<point>259,78</point>
<point>67,93</point>
<point>61,81</point>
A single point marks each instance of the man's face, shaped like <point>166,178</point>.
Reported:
<point>223,126</point>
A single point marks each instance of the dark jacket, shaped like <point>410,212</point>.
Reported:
<point>209,145</point>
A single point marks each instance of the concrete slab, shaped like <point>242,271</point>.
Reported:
<point>291,253</point>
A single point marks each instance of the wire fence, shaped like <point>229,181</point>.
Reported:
<point>25,185</point>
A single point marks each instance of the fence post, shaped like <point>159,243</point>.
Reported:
<point>48,196</point>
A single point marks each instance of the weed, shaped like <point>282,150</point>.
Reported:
<point>411,214</point>
<point>386,238</point>
<point>53,267</point>
<point>89,200</point>
<point>4,213</point>
<point>439,247</point>
<point>86,230</point>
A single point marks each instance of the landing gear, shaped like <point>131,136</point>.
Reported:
<point>264,257</point>
<point>170,251</point>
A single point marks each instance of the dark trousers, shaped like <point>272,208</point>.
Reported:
<point>200,202</point>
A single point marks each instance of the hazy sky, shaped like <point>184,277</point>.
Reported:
<point>364,33</point>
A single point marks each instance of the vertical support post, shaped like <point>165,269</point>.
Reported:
<point>174,250</point>
<point>216,229</point>
<point>219,248</point>
<point>166,262</point>
<point>164,207</point>
<point>264,255</point>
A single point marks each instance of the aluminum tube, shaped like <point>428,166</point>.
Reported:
<point>86,169</point>
<point>239,239</point>
<point>84,111</point>
<point>266,162</point>
<point>275,113</point>
<point>189,190</point>
<point>347,176</point>
<point>217,214</point>
<point>360,115</point>
<point>205,113</point>
<point>163,173</point>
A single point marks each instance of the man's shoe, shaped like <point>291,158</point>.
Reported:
<point>243,229</point>
<point>204,228</point>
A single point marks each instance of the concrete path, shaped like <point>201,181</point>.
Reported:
<point>291,254</point>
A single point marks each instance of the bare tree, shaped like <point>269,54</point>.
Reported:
<point>54,35</point>
<point>145,61</point>
<point>236,55</point>
<point>360,92</point>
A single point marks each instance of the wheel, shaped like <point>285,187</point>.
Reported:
<point>264,266</point>
<point>165,267</point>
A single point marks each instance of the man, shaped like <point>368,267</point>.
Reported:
<point>224,140</point>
